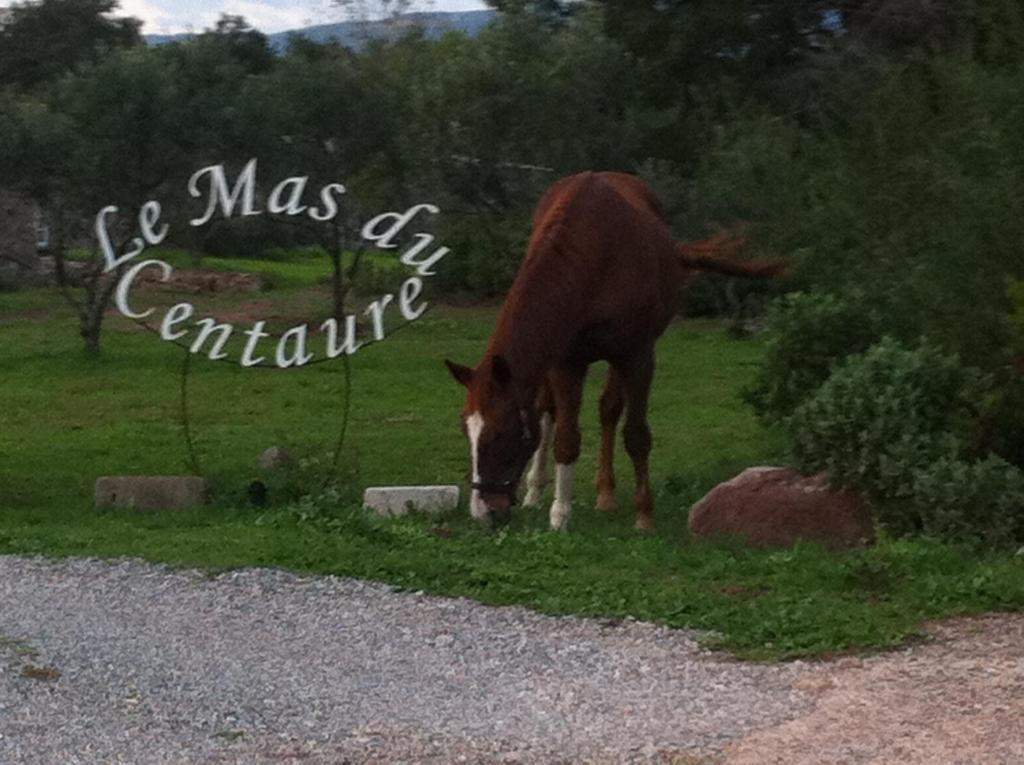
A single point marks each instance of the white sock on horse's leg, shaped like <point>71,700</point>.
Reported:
<point>561,508</point>
<point>537,477</point>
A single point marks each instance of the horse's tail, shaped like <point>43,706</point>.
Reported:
<point>719,253</point>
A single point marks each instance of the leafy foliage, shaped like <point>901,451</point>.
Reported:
<point>980,502</point>
<point>901,425</point>
<point>46,39</point>
<point>809,334</point>
<point>883,415</point>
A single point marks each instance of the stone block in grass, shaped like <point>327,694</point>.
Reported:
<point>389,501</point>
<point>160,492</point>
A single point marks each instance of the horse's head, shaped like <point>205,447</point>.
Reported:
<point>501,422</point>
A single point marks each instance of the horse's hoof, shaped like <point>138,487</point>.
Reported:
<point>533,498</point>
<point>606,502</point>
<point>500,518</point>
<point>644,525</point>
<point>560,512</point>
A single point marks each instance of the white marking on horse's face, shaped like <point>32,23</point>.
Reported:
<point>474,428</point>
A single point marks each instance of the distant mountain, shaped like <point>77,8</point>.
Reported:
<point>354,34</point>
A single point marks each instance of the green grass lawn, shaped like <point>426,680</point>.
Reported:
<point>66,419</point>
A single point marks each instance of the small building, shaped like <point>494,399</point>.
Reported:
<point>23,234</point>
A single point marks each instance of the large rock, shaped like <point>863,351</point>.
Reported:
<point>275,458</point>
<point>775,507</point>
<point>163,492</point>
<point>400,500</point>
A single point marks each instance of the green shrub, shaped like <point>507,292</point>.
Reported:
<point>377,276</point>
<point>485,254</point>
<point>1015,291</point>
<point>715,295</point>
<point>251,237</point>
<point>808,334</point>
<point>914,205</point>
<point>980,502</point>
<point>881,417</point>
<point>1002,422</point>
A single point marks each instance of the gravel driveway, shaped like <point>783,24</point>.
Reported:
<point>129,662</point>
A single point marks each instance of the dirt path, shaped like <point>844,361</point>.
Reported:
<point>958,698</point>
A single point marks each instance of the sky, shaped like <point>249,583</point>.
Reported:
<point>172,16</point>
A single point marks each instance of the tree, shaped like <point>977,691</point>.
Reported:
<point>104,136</point>
<point>489,122</point>
<point>239,42</point>
<point>989,30</point>
<point>548,11</point>
<point>325,113</point>
<point>210,72</point>
<point>41,41</point>
<point>364,10</point>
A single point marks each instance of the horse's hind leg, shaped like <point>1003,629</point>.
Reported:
<point>612,403</point>
<point>637,374</point>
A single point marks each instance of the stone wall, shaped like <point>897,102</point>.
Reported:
<point>19,233</point>
<point>19,236</point>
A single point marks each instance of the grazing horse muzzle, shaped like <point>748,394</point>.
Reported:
<point>497,498</point>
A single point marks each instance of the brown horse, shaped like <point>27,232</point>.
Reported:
<point>600,281</point>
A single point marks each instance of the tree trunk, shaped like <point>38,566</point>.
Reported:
<point>92,324</point>
<point>337,287</point>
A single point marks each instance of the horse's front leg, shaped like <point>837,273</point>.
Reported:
<point>537,475</point>
<point>567,388</point>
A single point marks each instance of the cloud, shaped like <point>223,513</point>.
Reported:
<point>171,16</point>
<point>269,16</point>
<point>155,18</point>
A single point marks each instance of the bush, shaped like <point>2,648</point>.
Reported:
<point>808,334</point>
<point>981,502</point>
<point>1002,423</point>
<point>715,295</point>
<point>1003,420</point>
<point>251,238</point>
<point>374,277</point>
<point>1015,291</point>
<point>485,256</point>
<point>881,417</point>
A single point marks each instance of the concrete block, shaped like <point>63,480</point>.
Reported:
<point>162,492</point>
<point>400,500</point>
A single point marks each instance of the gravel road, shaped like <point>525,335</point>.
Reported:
<point>127,662</point>
<point>130,662</point>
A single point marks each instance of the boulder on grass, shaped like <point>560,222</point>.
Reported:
<point>161,492</point>
<point>775,507</point>
<point>275,458</point>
